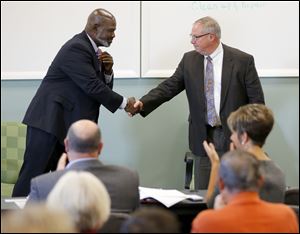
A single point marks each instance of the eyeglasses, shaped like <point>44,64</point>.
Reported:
<point>195,37</point>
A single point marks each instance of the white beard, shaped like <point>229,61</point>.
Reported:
<point>103,42</point>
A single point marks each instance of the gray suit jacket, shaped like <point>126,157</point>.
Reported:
<point>240,85</point>
<point>121,184</point>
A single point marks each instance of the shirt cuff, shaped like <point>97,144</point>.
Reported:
<point>108,78</point>
<point>124,103</point>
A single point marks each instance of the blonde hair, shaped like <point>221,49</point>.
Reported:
<point>37,218</point>
<point>84,197</point>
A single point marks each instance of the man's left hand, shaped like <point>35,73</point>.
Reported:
<point>107,62</point>
<point>62,162</point>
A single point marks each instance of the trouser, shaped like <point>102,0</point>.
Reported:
<point>41,156</point>
<point>202,166</point>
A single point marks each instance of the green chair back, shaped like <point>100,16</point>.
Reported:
<point>13,139</point>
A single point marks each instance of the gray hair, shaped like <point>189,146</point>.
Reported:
<point>37,218</point>
<point>210,25</point>
<point>240,171</point>
<point>84,197</point>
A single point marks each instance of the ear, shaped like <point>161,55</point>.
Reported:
<point>66,142</point>
<point>95,28</point>
<point>244,138</point>
<point>221,184</point>
<point>260,181</point>
<point>100,147</point>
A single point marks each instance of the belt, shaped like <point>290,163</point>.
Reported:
<point>214,127</point>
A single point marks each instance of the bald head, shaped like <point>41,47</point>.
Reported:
<point>97,17</point>
<point>84,136</point>
<point>101,26</point>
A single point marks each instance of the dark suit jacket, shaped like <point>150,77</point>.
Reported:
<point>120,182</point>
<point>73,89</point>
<point>240,85</point>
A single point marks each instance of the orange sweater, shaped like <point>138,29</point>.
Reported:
<point>247,213</point>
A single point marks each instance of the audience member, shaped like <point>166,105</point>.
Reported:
<point>36,219</point>
<point>238,207</point>
<point>84,197</point>
<point>151,220</point>
<point>250,125</point>
<point>83,145</point>
<point>114,223</point>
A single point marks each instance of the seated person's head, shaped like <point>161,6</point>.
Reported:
<point>252,122</point>
<point>151,220</point>
<point>84,197</point>
<point>36,219</point>
<point>83,138</point>
<point>239,171</point>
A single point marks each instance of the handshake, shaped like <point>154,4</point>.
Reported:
<point>133,107</point>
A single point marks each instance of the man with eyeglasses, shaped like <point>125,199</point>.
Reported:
<point>218,79</point>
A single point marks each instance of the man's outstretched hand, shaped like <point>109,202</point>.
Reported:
<point>133,107</point>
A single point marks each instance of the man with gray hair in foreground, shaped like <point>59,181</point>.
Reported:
<point>83,146</point>
<point>238,207</point>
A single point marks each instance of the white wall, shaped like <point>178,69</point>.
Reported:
<point>151,37</point>
<point>267,30</point>
<point>33,32</point>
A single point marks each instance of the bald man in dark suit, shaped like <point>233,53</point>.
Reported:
<point>78,82</point>
<point>235,83</point>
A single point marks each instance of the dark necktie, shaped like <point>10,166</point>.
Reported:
<point>212,117</point>
<point>98,52</point>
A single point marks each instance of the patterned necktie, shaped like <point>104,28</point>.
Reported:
<point>98,52</point>
<point>212,117</point>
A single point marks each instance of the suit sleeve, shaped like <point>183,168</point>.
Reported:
<point>253,85</point>
<point>33,195</point>
<point>164,91</point>
<point>80,69</point>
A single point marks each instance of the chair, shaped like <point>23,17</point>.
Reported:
<point>291,196</point>
<point>189,160</point>
<point>13,138</point>
<point>114,223</point>
<point>295,209</point>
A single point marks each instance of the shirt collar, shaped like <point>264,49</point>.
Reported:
<point>93,43</point>
<point>79,160</point>
<point>245,197</point>
<point>217,52</point>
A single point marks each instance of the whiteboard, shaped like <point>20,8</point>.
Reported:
<point>151,37</point>
<point>267,30</point>
<point>33,32</point>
